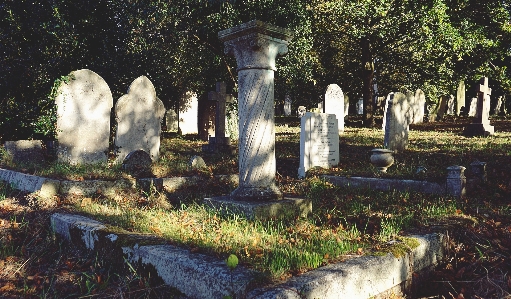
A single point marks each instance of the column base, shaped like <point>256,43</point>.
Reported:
<point>286,208</point>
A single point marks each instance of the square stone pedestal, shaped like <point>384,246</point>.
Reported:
<point>262,210</point>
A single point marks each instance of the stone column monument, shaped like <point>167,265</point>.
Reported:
<point>256,45</point>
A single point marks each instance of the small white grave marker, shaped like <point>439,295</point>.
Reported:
<point>319,142</point>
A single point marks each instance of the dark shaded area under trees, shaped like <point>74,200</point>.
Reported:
<point>430,45</point>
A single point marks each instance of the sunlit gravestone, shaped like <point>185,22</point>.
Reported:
<point>256,45</point>
<point>83,118</point>
<point>139,114</point>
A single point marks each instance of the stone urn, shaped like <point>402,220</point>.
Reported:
<point>382,158</point>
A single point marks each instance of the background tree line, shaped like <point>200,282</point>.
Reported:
<point>428,44</point>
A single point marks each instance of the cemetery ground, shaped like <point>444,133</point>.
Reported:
<point>345,223</point>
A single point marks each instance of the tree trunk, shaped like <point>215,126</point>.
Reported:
<point>368,75</point>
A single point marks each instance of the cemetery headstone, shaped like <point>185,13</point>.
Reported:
<point>473,108</point>
<point>334,104</point>
<point>172,122</point>
<point>197,162</point>
<point>481,123</point>
<point>450,105</point>
<point>386,109</point>
<point>441,108</point>
<point>25,151</point>
<point>219,142</point>
<point>397,123</point>
<point>346,107</point>
<point>460,97</point>
<point>500,108</point>
<point>138,164</point>
<point>206,118</point>
<point>83,118</point>
<point>319,142</point>
<point>287,105</point>
<point>139,114</point>
<point>417,105</point>
<point>360,107</point>
<point>188,113</point>
<point>301,111</point>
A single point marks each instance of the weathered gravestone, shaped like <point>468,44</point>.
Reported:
<point>397,123</point>
<point>206,118</point>
<point>25,151</point>
<point>481,123</point>
<point>386,109</point>
<point>220,142</point>
<point>188,113</point>
<point>450,105</point>
<point>473,108</point>
<point>334,104</point>
<point>500,107</point>
<point>460,97</point>
<point>138,164</point>
<point>360,107</point>
<point>440,109</point>
<point>346,106</point>
<point>319,142</point>
<point>255,46</point>
<point>139,114</point>
<point>172,121</point>
<point>83,118</point>
<point>417,106</point>
<point>287,105</point>
<point>301,111</point>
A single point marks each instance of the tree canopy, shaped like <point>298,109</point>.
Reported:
<point>431,44</point>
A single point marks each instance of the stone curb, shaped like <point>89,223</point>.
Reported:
<point>201,276</point>
<point>387,184</point>
<point>194,274</point>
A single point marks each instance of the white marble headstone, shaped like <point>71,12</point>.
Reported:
<point>334,104</point>
<point>139,114</point>
<point>83,118</point>
<point>319,142</point>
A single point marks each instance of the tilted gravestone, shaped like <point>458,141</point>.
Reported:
<point>334,104</point>
<point>386,109</point>
<point>460,97</point>
<point>83,118</point>
<point>500,107</point>
<point>481,123</point>
<point>319,142</point>
<point>220,142</point>
<point>397,123</point>
<point>287,105</point>
<point>188,113</point>
<point>139,114</point>
<point>441,108</point>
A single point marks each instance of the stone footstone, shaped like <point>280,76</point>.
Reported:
<point>138,164</point>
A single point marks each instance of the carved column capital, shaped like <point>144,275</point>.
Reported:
<point>255,45</point>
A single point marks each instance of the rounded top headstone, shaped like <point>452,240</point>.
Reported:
<point>138,164</point>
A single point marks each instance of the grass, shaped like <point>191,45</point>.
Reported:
<point>344,222</point>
